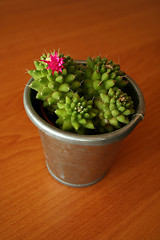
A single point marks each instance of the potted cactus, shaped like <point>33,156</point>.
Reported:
<point>82,109</point>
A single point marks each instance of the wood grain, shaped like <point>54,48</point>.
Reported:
<point>126,203</point>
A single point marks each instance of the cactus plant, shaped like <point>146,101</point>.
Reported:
<point>101,75</point>
<point>76,113</point>
<point>55,77</point>
<point>114,109</point>
<point>85,98</point>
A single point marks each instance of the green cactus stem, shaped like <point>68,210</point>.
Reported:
<point>100,75</point>
<point>76,113</point>
<point>115,108</point>
<point>54,87</point>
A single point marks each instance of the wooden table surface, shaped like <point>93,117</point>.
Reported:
<point>126,203</point>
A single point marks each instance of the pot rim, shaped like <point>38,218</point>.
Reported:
<point>73,138</point>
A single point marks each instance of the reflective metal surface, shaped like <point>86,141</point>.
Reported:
<point>77,165</point>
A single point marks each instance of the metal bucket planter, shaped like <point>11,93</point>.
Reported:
<point>80,160</point>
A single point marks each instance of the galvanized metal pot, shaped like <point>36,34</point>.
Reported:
<point>80,160</point>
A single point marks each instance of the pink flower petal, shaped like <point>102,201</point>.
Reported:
<point>56,63</point>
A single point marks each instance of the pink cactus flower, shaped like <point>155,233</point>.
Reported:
<point>55,63</point>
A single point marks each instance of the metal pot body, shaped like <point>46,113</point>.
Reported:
<point>77,165</point>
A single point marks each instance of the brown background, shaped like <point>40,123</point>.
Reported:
<point>126,203</point>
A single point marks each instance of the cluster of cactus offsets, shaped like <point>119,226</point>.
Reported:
<point>85,98</point>
<point>114,109</point>
<point>76,113</point>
